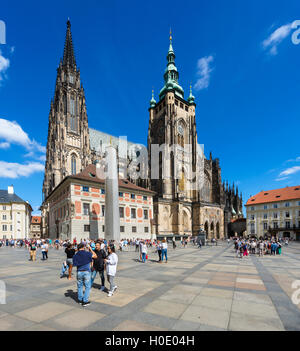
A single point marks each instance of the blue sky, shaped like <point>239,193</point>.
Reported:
<point>238,55</point>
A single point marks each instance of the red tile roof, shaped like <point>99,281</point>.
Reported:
<point>283,194</point>
<point>89,173</point>
<point>36,219</point>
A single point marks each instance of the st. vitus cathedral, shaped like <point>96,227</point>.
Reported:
<point>182,204</point>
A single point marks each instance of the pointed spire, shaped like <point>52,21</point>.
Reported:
<point>69,57</point>
<point>191,98</point>
<point>170,47</point>
<point>152,101</point>
<point>171,75</point>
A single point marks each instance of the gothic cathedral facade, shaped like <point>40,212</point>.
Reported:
<point>189,191</point>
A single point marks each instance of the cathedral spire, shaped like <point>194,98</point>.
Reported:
<point>191,98</point>
<point>171,75</point>
<point>69,57</point>
<point>152,101</point>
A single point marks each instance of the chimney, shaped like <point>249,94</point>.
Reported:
<point>10,189</point>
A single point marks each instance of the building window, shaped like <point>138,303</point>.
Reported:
<point>121,212</point>
<point>120,194</point>
<point>71,78</point>
<point>73,165</point>
<point>265,207</point>
<point>287,204</point>
<point>275,225</point>
<point>145,198</point>
<point>4,208</point>
<point>86,209</point>
<point>287,215</point>
<point>146,229</point>
<point>4,228</point>
<point>133,213</point>
<point>252,208</point>
<point>86,227</point>
<point>275,206</point>
<point>275,215</point>
<point>145,214</point>
<point>103,210</point>
<point>102,191</point>
<point>133,229</point>
<point>4,217</point>
<point>287,225</point>
<point>132,196</point>
<point>252,228</point>
<point>103,228</point>
<point>265,215</point>
<point>252,217</point>
<point>122,229</point>
<point>265,226</point>
<point>85,189</point>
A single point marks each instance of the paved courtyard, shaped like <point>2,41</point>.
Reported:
<point>207,289</point>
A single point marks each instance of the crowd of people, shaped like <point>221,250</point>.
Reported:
<point>261,247</point>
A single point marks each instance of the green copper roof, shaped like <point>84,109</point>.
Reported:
<point>191,98</point>
<point>171,75</point>
<point>152,101</point>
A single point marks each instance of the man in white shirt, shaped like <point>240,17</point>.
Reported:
<point>44,248</point>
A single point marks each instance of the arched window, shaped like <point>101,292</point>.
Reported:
<point>73,165</point>
<point>73,113</point>
<point>180,135</point>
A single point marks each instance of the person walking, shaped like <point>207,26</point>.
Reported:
<point>261,248</point>
<point>82,260</point>
<point>70,252</point>
<point>144,252</point>
<point>111,269</point>
<point>174,243</point>
<point>98,264</point>
<point>158,247</point>
<point>32,250</point>
<point>164,250</point>
<point>44,248</point>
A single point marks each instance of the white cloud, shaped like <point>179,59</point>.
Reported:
<point>276,37</point>
<point>289,171</point>
<point>16,170</point>
<point>281,179</point>
<point>12,133</point>
<point>297,159</point>
<point>203,72</point>
<point>4,145</point>
<point>4,64</point>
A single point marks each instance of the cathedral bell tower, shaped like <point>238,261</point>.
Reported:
<point>172,123</point>
<point>68,145</point>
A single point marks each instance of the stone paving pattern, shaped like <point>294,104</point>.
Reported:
<point>198,289</point>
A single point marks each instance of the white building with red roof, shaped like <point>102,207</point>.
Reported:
<point>77,208</point>
<point>275,213</point>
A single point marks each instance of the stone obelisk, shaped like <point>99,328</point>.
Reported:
<point>112,213</point>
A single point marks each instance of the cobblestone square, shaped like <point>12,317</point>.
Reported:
<point>198,289</point>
